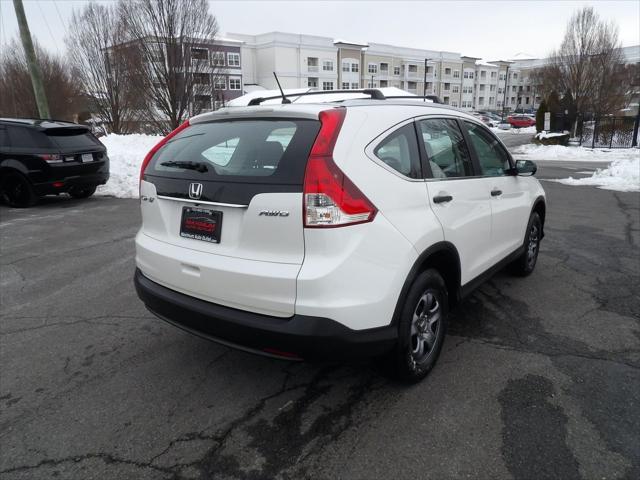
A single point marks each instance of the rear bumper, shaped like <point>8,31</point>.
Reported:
<point>299,337</point>
<point>67,183</point>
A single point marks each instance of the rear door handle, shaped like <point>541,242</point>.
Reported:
<point>442,199</point>
<point>495,193</point>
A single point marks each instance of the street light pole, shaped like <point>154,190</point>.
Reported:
<point>506,87</point>
<point>424,89</point>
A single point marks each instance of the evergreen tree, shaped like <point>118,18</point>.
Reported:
<point>542,109</point>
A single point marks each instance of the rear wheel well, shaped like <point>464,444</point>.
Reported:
<point>447,263</point>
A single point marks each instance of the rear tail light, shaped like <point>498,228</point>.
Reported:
<point>159,145</point>
<point>51,158</point>
<point>331,199</point>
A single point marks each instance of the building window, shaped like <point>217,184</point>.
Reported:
<point>494,74</point>
<point>482,87</point>
<point>447,71</point>
<point>217,59</point>
<point>202,101</point>
<point>327,65</point>
<point>327,85</point>
<point>234,83</point>
<point>501,76</point>
<point>447,86</point>
<point>355,67</point>
<point>513,88</point>
<point>312,64</point>
<point>470,74</point>
<point>492,88</point>
<point>491,100</point>
<point>527,100</point>
<point>480,101</point>
<point>312,82</point>
<point>201,79</point>
<point>199,53</point>
<point>454,104</point>
<point>346,66</point>
<point>220,83</point>
<point>412,85</point>
<point>384,83</point>
<point>233,59</point>
<point>345,85</point>
<point>456,89</point>
<point>483,74</point>
<point>413,68</point>
<point>515,75</point>
<point>429,86</point>
<point>466,75</point>
<point>396,70</point>
<point>456,74</point>
<point>371,84</point>
<point>384,67</point>
<point>355,86</point>
<point>373,68</point>
<point>445,100</point>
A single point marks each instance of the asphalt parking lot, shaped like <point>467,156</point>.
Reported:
<point>539,377</point>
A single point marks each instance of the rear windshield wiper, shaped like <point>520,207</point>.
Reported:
<point>187,165</point>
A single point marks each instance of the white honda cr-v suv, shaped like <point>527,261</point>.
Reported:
<point>331,230</point>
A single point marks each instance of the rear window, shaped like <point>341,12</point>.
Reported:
<point>273,151</point>
<point>73,139</point>
<point>26,138</point>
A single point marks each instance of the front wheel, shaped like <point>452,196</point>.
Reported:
<point>17,191</point>
<point>422,328</point>
<point>83,192</point>
<point>526,262</point>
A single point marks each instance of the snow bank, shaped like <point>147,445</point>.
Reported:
<point>622,175</point>
<point>514,131</point>
<point>575,154</point>
<point>126,153</point>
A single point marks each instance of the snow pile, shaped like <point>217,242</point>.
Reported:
<point>622,175</point>
<point>545,134</point>
<point>573,154</point>
<point>126,153</point>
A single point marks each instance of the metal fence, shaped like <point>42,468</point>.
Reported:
<point>608,132</point>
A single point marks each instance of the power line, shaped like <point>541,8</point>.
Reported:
<point>48,27</point>
<point>60,16</point>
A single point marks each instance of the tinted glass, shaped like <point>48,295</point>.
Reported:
<point>25,138</point>
<point>400,151</point>
<point>492,157</point>
<point>446,150</point>
<point>73,139</point>
<point>4,137</point>
<point>239,150</point>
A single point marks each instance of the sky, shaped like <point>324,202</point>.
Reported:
<point>492,30</point>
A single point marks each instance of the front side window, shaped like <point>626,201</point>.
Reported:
<point>400,152</point>
<point>445,147</point>
<point>494,161</point>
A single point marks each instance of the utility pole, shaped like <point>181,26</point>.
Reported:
<point>424,90</point>
<point>506,87</point>
<point>32,63</point>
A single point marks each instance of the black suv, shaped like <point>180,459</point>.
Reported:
<point>42,157</point>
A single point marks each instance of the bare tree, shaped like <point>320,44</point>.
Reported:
<point>66,101</point>
<point>587,64</point>
<point>173,39</point>
<point>102,68</point>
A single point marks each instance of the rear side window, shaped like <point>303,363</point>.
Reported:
<point>25,138</point>
<point>73,139</point>
<point>445,147</point>
<point>273,150</point>
<point>4,137</point>
<point>400,152</point>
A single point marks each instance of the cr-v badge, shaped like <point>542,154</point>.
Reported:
<point>195,190</point>
<point>274,213</point>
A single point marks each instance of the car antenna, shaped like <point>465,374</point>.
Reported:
<point>284,99</point>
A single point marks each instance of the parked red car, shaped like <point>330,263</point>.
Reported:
<point>521,121</point>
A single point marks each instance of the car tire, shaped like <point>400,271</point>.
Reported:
<point>526,263</point>
<point>83,192</point>
<point>17,191</point>
<point>422,327</point>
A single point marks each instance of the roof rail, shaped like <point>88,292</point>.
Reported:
<point>373,92</point>
<point>433,98</point>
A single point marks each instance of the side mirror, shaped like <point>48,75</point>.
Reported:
<point>526,168</point>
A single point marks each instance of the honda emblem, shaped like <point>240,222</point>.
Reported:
<point>195,190</point>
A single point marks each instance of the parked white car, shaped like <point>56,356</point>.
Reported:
<point>331,230</point>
